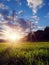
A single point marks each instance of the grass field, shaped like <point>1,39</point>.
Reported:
<point>28,53</point>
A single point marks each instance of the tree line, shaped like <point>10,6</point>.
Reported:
<point>39,35</point>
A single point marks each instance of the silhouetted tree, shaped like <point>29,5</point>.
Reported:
<point>39,35</point>
<point>46,34</point>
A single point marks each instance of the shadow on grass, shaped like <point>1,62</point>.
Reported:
<point>42,58</point>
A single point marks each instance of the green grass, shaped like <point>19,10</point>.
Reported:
<point>28,53</point>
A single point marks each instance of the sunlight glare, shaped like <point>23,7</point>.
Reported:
<point>12,35</point>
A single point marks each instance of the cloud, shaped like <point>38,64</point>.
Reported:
<point>1,17</point>
<point>48,3</point>
<point>38,28</point>
<point>35,18</point>
<point>18,1</point>
<point>8,0</point>
<point>2,20</point>
<point>18,22</point>
<point>47,15</point>
<point>35,5</point>
<point>2,6</point>
<point>20,12</point>
<point>41,27</point>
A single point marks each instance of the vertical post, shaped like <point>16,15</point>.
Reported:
<point>30,31</point>
<point>13,15</point>
<point>30,26</point>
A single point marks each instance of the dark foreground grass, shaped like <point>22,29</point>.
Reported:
<point>36,53</point>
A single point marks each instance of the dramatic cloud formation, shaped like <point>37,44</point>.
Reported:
<point>34,5</point>
<point>17,22</point>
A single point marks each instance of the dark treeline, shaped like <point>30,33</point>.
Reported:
<point>40,35</point>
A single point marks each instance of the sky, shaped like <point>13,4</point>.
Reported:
<point>35,10</point>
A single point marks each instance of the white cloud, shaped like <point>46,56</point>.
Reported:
<point>35,18</point>
<point>35,5</point>
<point>20,12</point>
<point>2,20</point>
<point>18,1</point>
<point>0,15</point>
<point>47,15</point>
<point>2,6</point>
<point>41,27</point>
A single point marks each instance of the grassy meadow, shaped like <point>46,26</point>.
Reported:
<point>27,53</point>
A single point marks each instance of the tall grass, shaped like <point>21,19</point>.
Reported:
<point>36,53</point>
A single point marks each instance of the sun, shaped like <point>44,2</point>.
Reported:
<point>12,35</point>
